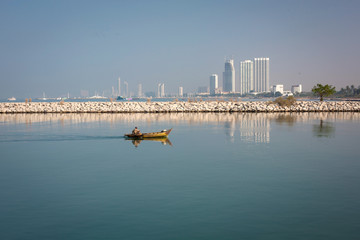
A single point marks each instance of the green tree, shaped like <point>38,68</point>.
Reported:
<point>323,91</point>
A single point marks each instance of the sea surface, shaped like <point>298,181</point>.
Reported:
<point>218,176</point>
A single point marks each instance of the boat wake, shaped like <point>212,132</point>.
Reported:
<point>59,138</point>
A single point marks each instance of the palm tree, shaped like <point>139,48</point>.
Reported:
<point>323,91</point>
<point>347,90</point>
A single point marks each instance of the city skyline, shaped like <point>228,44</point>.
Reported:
<point>64,47</point>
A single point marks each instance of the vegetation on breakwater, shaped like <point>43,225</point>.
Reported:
<point>323,90</point>
<point>285,102</point>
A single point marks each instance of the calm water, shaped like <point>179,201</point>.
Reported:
<point>220,176</point>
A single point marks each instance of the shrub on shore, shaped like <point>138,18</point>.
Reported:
<point>285,102</point>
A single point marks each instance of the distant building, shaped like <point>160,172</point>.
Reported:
<point>140,94</point>
<point>150,94</point>
<point>246,76</point>
<point>261,75</point>
<point>296,88</point>
<point>278,88</point>
<point>229,76</point>
<point>126,90</point>
<point>287,93</point>
<point>84,93</point>
<point>119,87</point>
<point>214,84</point>
<point>161,90</point>
<point>181,91</point>
<point>203,89</point>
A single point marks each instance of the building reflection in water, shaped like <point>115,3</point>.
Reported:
<point>255,128</point>
<point>250,127</point>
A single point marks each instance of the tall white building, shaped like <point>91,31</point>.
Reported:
<point>229,76</point>
<point>214,84</point>
<point>181,91</point>
<point>246,76</point>
<point>261,75</point>
<point>161,90</point>
<point>140,90</point>
<point>296,88</point>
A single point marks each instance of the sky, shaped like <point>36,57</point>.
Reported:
<point>61,47</point>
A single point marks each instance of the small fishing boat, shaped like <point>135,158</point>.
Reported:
<point>162,134</point>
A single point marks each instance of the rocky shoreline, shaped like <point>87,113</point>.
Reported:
<point>163,107</point>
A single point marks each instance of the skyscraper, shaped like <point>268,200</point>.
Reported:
<point>140,90</point>
<point>119,87</point>
<point>181,92</point>
<point>261,75</point>
<point>213,84</point>
<point>246,76</point>
<point>126,90</point>
<point>229,76</point>
<point>161,90</point>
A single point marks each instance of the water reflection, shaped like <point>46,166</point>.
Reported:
<point>163,141</point>
<point>289,119</point>
<point>248,127</point>
<point>255,128</point>
<point>324,129</point>
<point>174,118</point>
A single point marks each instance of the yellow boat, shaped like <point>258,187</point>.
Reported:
<point>162,134</point>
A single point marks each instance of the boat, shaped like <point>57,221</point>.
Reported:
<point>43,98</point>
<point>161,134</point>
<point>120,98</point>
<point>11,99</point>
<point>97,97</point>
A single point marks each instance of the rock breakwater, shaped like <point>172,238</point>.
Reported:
<point>162,107</point>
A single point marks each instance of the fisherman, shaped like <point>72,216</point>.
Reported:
<point>136,131</point>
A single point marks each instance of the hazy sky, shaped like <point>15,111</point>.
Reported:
<point>63,46</point>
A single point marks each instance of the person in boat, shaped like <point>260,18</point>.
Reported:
<point>136,131</point>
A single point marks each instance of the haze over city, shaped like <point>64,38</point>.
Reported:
<point>62,47</point>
